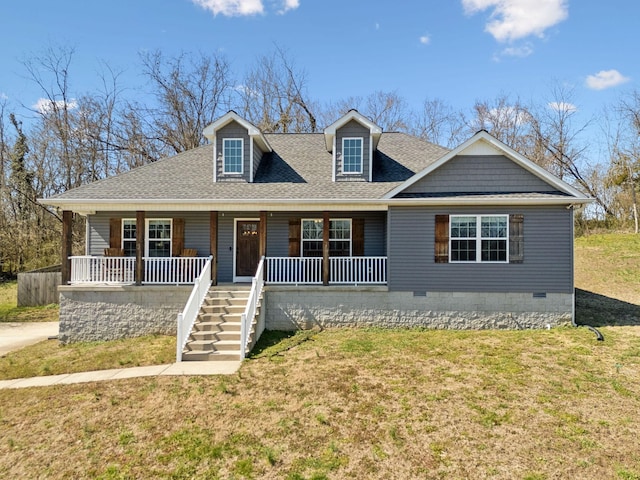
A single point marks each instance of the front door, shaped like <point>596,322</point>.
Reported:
<point>247,249</point>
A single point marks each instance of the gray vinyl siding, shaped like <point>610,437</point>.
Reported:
<point>257,156</point>
<point>196,229</point>
<point>232,130</point>
<point>548,253</point>
<point>480,174</point>
<point>352,129</point>
<point>374,231</point>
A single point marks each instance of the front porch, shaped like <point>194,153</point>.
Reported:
<point>95,270</point>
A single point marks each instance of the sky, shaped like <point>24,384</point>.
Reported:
<point>457,51</point>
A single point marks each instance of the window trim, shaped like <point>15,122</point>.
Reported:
<point>224,157</point>
<point>147,238</point>
<point>479,238</point>
<point>361,169</point>
<point>302,239</point>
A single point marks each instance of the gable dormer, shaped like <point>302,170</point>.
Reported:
<point>352,140</point>
<point>238,146</point>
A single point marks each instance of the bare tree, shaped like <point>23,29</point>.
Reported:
<point>438,123</point>
<point>190,92</point>
<point>273,95</point>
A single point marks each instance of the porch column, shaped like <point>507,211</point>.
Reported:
<point>140,241</point>
<point>325,248</point>
<point>67,217</point>
<point>213,245</point>
<point>263,234</point>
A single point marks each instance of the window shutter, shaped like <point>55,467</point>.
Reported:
<point>357,237</point>
<point>115,233</point>
<point>177,237</point>
<point>442,239</point>
<point>516,238</point>
<point>294,238</point>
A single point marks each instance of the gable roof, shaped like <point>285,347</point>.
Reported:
<point>330,131</point>
<point>482,143</point>
<point>231,116</point>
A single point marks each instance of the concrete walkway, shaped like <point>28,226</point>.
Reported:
<point>183,368</point>
<point>15,335</point>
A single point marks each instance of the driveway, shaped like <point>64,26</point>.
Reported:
<point>14,336</point>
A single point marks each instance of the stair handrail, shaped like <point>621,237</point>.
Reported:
<point>257,283</point>
<point>187,318</point>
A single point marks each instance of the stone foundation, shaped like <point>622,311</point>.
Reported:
<point>89,313</point>
<point>292,308</point>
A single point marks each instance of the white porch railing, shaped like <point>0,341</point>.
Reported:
<point>294,270</point>
<point>343,270</point>
<point>172,270</point>
<point>252,305</point>
<point>358,270</point>
<point>85,269</point>
<point>114,270</point>
<point>187,318</point>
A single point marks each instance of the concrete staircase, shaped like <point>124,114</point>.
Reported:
<point>216,333</point>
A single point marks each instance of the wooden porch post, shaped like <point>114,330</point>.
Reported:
<point>67,217</point>
<point>263,234</point>
<point>213,245</point>
<point>325,248</point>
<point>140,241</point>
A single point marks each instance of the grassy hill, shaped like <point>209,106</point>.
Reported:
<point>370,404</point>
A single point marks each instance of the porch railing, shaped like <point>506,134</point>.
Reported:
<point>85,269</point>
<point>187,318</point>
<point>172,270</point>
<point>157,271</point>
<point>252,305</point>
<point>358,270</point>
<point>343,270</point>
<point>294,270</point>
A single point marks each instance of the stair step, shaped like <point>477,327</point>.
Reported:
<point>216,336</point>
<point>223,308</point>
<point>219,317</point>
<point>217,326</point>
<point>225,301</point>
<point>209,356</point>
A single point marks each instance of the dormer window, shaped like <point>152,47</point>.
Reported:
<point>233,149</point>
<point>352,155</point>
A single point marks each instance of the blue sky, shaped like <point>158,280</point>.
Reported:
<point>458,51</point>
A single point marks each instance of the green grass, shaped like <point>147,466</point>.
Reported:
<point>10,312</point>
<point>51,358</point>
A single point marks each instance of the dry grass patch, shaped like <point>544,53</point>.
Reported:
<point>10,312</point>
<point>52,358</point>
<point>352,404</point>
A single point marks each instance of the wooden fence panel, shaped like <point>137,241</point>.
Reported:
<point>38,288</point>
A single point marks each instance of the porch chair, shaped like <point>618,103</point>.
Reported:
<point>189,252</point>
<point>115,270</point>
<point>187,269</point>
<point>114,252</point>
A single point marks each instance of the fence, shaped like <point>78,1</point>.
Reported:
<point>38,288</point>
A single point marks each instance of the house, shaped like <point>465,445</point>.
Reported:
<point>354,226</point>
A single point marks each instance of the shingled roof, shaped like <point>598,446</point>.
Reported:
<point>298,168</point>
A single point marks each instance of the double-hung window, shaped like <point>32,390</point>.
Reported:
<point>352,155</point>
<point>479,238</point>
<point>129,237</point>
<point>339,237</point>
<point>233,149</point>
<point>159,238</point>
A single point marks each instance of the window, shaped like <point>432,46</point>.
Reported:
<point>159,238</point>
<point>339,238</point>
<point>479,238</point>
<point>352,155</point>
<point>233,149</point>
<point>129,237</point>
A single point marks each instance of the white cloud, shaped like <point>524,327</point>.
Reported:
<point>606,79</point>
<point>522,51</point>
<point>232,8</point>
<point>425,39</point>
<point>44,105</point>
<point>289,5</point>
<point>563,107</point>
<point>515,19</point>
<point>3,96</point>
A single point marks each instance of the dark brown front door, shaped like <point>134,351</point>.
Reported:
<point>247,247</point>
